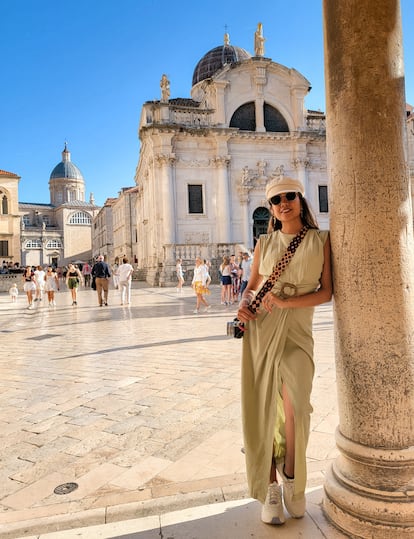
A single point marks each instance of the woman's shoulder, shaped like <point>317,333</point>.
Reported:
<point>321,234</point>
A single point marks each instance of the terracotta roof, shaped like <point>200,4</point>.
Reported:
<point>9,174</point>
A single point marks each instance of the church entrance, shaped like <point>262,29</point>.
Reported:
<point>260,221</point>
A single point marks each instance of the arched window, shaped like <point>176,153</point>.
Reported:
<point>244,117</point>
<point>54,244</point>
<point>4,205</point>
<point>273,120</point>
<point>260,221</point>
<point>80,218</point>
<point>33,244</point>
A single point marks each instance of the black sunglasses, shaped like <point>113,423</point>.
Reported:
<point>277,199</point>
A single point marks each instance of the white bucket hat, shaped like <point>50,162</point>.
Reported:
<point>284,184</point>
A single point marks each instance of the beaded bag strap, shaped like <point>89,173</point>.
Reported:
<point>278,269</point>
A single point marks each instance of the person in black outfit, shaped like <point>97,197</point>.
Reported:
<point>102,274</point>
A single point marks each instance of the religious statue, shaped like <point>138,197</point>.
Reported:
<point>259,41</point>
<point>165,89</point>
<point>245,179</point>
<point>261,168</point>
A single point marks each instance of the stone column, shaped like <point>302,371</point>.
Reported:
<point>167,196</point>
<point>223,216</point>
<point>369,491</point>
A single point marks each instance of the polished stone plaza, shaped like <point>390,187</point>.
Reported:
<point>139,407</point>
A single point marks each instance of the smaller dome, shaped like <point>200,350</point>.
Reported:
<point>66,169</point>
<point>217,58</point>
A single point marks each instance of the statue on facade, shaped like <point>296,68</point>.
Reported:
<point>165,89</point>
<point>261,168</point>
<point>259,41</point>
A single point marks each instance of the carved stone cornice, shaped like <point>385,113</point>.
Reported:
<point>221,161</point>
<point>161,159</point>
<point>193,163</point>
<point>301,163</point>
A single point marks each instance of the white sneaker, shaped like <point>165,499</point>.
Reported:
<point>272,509</point>
<point>295,508</point>
<point>195,311</point>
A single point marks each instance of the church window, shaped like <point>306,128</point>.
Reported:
<point>244,117</point>
<point>4,248</point>
<point>59,197</point>
<point>80,218</point>
<point>46,220</point>
<point>4,205</point>
<point>273,120</point>
<point>26,219</point>
<point>323,198</point>
<point>195,199</point>
<point>54,244</point>
<point>33,244</point>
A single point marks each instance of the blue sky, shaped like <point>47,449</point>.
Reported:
<point>80,70</point>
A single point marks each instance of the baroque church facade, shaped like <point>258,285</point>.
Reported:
<point>57,233</point>
<point>205,160</point>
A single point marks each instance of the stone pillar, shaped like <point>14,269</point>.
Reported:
<point>167,196</point>
<point>369,491</point>
<point>223,201</point>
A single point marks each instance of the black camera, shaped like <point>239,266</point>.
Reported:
<point>235,329</point>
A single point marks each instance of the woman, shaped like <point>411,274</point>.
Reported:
<point>199,284</point>
<point>277,366</point>
<point>51,285</point>
<point>73,278</point>
<point>29,285</point>
<point>225,272</point>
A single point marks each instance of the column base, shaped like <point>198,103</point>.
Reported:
<point>369,493</point>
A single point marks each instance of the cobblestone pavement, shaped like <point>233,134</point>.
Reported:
<point>138,405</point>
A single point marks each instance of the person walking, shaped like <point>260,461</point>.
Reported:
<point>125,280</point>
<point>277,358</point>
<point>39,282</point>
<point>86,272</point>
<point>73,279</point>
<point>199,284</point>
<point>102,274</point>
<point>13,292</point>
<point>180,274</point>
<point>29,285</point>
<point>51,285</point>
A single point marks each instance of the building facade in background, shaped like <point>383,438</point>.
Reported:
<point>35,233</point>
<point>204,161</point>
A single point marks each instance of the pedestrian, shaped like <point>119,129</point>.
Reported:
<point>180,274</point>
<point>115,275</point>
<point>29,285</point>
<point>277,360</point>
<point>73,279</point>
<point>125,280</point>
<point>40,282</point>
<point>102,274</point>
<point>86,272</point>
<point>51,285</point>
<point>245,266</point>
<point>199,284</point>
<point>225,272</point>
<point>13,292</point>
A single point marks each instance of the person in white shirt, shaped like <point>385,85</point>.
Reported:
<point>246,266</point>
<point>125,271</point>
<point>39,275</point>
<point>199,284</point>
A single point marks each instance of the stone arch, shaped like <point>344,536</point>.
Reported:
<point>244,118</point>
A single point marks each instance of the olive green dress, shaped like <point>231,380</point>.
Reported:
<point>278,348</point>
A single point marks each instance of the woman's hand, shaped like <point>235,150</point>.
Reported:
<point>244,314</point>
<point>271,300</point>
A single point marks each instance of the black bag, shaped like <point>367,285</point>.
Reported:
<point>93,283</point>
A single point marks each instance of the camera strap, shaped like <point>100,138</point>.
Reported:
<point>278,269</point>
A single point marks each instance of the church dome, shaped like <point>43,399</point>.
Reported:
<point>66,169</point>
<point>217,58</point>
